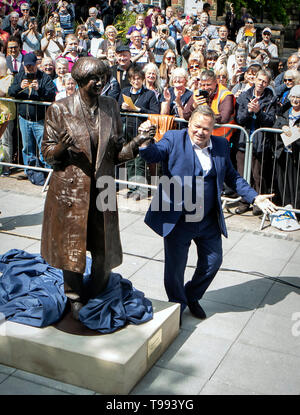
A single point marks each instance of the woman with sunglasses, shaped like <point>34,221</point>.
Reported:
<point>167,66</point>
<point>290,79</point>
<point>222,76</point>
<point>247,34</point>
<point>196,64</point>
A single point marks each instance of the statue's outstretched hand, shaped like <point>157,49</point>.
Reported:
<point>146,133</point>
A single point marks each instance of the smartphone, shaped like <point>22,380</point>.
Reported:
<point>30,76</point>
<point>202,93</point>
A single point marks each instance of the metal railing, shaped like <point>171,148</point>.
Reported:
<point>180,123</point>
<point>48,171</point>
<point>287,155</point>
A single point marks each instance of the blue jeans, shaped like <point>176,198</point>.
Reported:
<point>32,135</point>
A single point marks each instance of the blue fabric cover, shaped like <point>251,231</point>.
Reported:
<point>32,293</point>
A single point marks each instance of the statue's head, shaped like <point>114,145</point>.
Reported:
<point>90,73</point>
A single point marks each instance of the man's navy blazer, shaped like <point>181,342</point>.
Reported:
<point>176,152</point>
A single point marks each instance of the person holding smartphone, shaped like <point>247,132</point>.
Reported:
<point>218,98</point>
<point>35,85</point>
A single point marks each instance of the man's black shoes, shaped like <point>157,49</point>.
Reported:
<point>197,310</point>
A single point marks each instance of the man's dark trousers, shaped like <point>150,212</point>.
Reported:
<point>207,237</point>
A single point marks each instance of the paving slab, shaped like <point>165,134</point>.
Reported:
<point>18,204</point>
<point>51,383</point>
<point>223,321</point>
<point>27,224</point>
<point>130,265</point>
<point>250,262</point>
<point>145,245</point>
<point>282,299</point>
<point>216,387</point>
<point>195,354</point>
<point>237,289</point>
<point>260,370</point>
<point>160,381</point>
<point>6,370</point>
<point>16,386</point>
<point>149,279</point>
<point>8,242</point>
<point>271,332</point>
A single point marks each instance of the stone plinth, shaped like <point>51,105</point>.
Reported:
<point>108,364</point>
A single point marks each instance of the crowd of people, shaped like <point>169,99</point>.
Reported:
<point>168,63</point>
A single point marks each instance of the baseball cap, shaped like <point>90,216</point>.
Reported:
<point>29,59</point>
<point>123,48</point>
<point>254,63</point>
<point>267,29</point>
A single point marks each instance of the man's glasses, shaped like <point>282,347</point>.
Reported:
<point>249,22</point>
<point>288,80</point>
<point>267,34</point>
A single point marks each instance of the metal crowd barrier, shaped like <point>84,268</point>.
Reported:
<point>179,124</point>
<point>19,140</point>
<point>274,186</point>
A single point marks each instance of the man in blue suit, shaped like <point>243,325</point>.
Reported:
<point>193,157</point>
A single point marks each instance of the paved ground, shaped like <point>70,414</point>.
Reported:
<point>250,342</point>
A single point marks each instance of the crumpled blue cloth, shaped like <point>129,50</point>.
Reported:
<point>32,293</point>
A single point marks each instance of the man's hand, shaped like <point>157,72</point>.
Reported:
<point>199,99</point>
<point>254,106</point>
<point>35,84</point>
<point>167,95</point>
<point>263,203</point>
<point>25,84</point>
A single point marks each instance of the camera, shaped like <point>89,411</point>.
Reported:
<point>30,76</point>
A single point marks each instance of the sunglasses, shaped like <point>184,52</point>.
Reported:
<point>267,34</point>
<point>222,76</point>
<point>288,80</point>
<point>170,58</point>
<point>249,22</point>
<point>194,66</point>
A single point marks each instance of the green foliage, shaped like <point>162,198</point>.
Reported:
<point>123,22</point>
<point>277,10</point>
